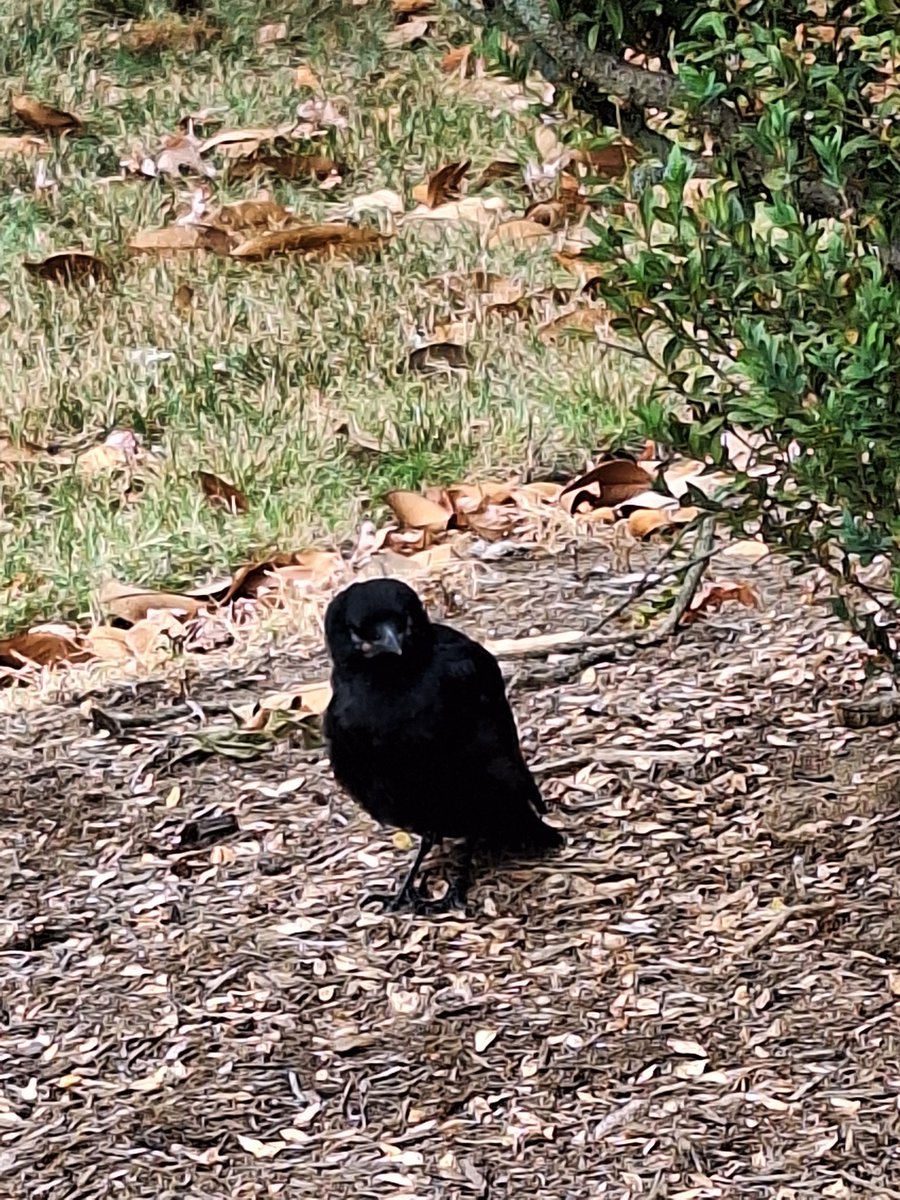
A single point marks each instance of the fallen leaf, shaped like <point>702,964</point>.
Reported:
<point>590,321</point>
<point>645,521</point>
<point>418,512</point>
<point>712,596</point>
<point>23,451</point>
<point>608,484</point>
<point>260,1149</point>
<point>406,34</point>
<point>41,117</point>
<point>339,239</point>
<point>222,494</point>
<point>520,232</point>
<point>438,358</point>
<point>288,166</point>
<point>608,162</point>
<point>45,646</point>
<point>442,185</point>
<point>456,60</point>
<point>133,604</point>
<point>68,266</point>
<point>152,1082</point>
<point>183,299</point>
<point>182,152</point>
<point>252,214</point>
<point>552,214</point>
<point>305,77</point>
<point>686,1046</point>
<point>483,1039</point>
<point>237,143</point>
<point>473,210</point>
<point>268,35</point>
<point>154,36</point>
<point>745,550</point>
<point>409,8</point>
<point>27,145</point>
<point>177,239</point>
<point>498,169</point>
<point>270,577</point>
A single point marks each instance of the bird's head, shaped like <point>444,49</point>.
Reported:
<point>375,624</point>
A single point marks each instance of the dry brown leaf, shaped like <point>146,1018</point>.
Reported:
<point>222,494</point>
<point>102,460</point>
<point>310,698</point>
<point>288,165</point>
<point>542,491</point>
<point>406,34</point>
<point>133,604</point>
<point>23,451</point>
<point>457,60</point>
<point>748,550</point>
<point>644,521</point>
<point>712,596</point>
<point>609,161</point>
<point>261,1149</point>
<point>108,643</point>
<point>307,568</point>
<point>335,239</point>
<point>415,511</point>
<point>499,168</point>
<point>183,299</point>
<point>68,266</point>
<point>45,646</point>
<point>471,210</point>
<point>552,214</point>
<point>305,77</point>
<point>442,185</point>
<point>154,36</point>
<point>592,321</point>
<point>268,35</point>
<point>409,8</point>
<point>610,483</point>
<point>27,145</point>
<point>438,358</point>
<point>178,239</point>
<point>520,232</point>
<point>119,451</point>
<point>237,143</point>
<point>182,152</point>
<point>41,117</point>
<point>252,214</point>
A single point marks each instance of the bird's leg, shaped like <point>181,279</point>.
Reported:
<point>407,894</point>
<point>455,896</point>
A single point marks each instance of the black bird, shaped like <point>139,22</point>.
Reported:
<point>420,732</point>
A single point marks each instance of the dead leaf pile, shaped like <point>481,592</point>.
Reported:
<point>143,622</point>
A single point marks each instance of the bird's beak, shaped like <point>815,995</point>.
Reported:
<point>387,642</point>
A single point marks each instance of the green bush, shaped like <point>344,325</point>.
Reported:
<point>768,296</point>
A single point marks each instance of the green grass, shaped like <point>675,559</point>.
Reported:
<point>277,356</point>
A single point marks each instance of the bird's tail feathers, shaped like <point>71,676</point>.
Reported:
<point>532,835</point>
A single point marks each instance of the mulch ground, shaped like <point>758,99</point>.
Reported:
<point>697,998</point>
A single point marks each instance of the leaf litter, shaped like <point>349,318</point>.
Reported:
<point>702,938</point>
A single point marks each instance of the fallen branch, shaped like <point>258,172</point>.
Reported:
<point>605,650</point>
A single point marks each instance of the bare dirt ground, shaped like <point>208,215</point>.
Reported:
<point>697,998</point>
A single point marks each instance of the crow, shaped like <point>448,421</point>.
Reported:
<point>420,733</point>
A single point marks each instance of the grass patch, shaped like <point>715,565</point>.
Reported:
<point>284,376</point>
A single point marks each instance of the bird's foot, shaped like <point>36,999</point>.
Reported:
<point>391,901</point>
<point>412,900</point>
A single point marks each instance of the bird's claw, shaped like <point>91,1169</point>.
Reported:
<point>413,901</point>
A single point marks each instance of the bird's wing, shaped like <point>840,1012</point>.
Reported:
<point>480,718</point>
